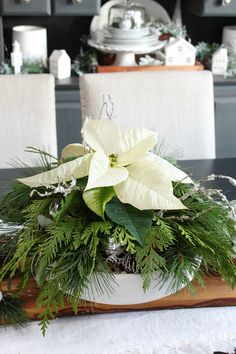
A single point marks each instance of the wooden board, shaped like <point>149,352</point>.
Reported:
<point>111,68</point>
<point>217,293</point>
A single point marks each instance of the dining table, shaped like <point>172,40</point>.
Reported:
<point>204,330</point>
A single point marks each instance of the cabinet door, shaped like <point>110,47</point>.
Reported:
<point>25,7</point>
<point>225,121</point>
<point>211,7</point>
<point>68,118</point>
<point>76,7</point>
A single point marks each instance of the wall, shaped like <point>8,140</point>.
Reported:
<point>65,32</point>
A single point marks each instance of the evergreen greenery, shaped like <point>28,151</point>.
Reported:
<point>68,249</point>
<point>205,52</point>
<point>12,311</point>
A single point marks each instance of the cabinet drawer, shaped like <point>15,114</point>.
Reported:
<point>211,7</point>
<point>25,7</point>
<point>76,7</point>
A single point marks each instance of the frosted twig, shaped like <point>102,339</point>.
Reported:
<point>213,177</point>
<point>183,218</point>
<point>64,188</point>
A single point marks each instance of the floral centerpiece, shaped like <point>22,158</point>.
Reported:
<point>110,205</point>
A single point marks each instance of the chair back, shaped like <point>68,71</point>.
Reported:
<point>27,116</point>
<point>179,105</point>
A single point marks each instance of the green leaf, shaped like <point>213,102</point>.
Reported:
<point>97,198</point>
<point>137,222</point>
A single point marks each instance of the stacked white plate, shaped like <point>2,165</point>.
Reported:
<point>121,33</point>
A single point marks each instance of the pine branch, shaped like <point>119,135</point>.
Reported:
<point>14,203</point>
<point>12,312</point>
<point>8,246</point>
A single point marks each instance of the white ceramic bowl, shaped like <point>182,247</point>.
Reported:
<point>128,290</point>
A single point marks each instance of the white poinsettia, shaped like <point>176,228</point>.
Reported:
<point>123,161</point>
<point>77,168</point>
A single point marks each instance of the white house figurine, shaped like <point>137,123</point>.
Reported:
<point>60,64</point>
<point>180,52</point>
<point>219,62</point>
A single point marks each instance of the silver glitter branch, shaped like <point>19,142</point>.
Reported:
<point>214,177</point>
<point>107,106</point>
<point>208,193</point>
<point>64,188</point>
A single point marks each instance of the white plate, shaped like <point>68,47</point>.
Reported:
<point>145,39</point>
<point>130,44</point>
<point>131,33</point>
<point>122,48</point>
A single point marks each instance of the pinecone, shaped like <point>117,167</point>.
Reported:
<point>123,262</point>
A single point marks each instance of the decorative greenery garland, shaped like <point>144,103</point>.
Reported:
<point>72,214</point>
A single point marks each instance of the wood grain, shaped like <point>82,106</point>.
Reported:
<point>111,68</point>
<point>217,293</point>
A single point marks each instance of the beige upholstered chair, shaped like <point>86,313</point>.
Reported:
<point>179,105</point>
<point>27,118</point>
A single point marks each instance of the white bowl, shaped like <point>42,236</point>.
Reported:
<point>128,290</point>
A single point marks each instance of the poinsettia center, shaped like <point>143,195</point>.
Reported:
<point>113,160</point>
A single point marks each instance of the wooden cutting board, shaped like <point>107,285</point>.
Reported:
<point>217,293</point>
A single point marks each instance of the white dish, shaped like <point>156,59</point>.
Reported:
<point>144,39</point>
<point>131,33</point>
<point>146,42</point>
<point>128,290</point>
<point>122,48</point>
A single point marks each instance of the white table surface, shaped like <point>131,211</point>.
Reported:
<point>185,331</point>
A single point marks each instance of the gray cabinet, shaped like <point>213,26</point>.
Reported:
<point>1,42</point>
<point>43,7</point>
<point>225,120</point>
<point>76,7</point>
<point>211,7</point>
<point>68,118</point>
<point>25,7</point>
